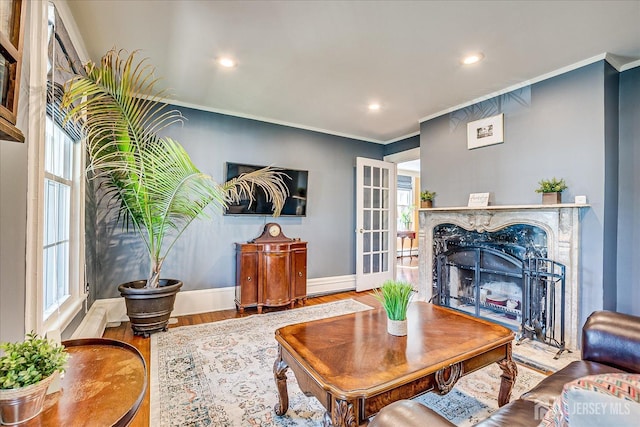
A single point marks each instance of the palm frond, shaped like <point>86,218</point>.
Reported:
<point>269,179</point>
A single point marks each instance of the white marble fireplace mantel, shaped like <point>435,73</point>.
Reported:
<point>561,223</point>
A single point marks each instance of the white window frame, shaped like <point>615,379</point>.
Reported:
<point>34,304</point>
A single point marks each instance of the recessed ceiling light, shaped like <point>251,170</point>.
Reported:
<point>472,59</point>
<point>227,62</point>
<point>374,107</point>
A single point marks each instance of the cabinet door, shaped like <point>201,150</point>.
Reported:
<point>299,272</point>
<point>247,278</point>
<point>276,278</point>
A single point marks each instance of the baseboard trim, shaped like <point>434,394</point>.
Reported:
<point>112,311</point>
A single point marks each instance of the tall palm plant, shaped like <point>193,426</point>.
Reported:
<point>151,179</point>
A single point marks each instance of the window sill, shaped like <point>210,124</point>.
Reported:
<point>60,319</point>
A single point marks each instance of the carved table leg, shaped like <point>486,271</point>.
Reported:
<point>280,375</point>
<point>343,414</point>
<point>508,377</point>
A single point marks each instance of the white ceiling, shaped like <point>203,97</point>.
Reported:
<point>317,65</point>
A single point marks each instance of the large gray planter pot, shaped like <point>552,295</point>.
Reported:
<point>149,309</point>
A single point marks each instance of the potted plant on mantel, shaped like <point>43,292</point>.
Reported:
<point>151,180</point>
<point>394,297</point>
<point>551,190</point>
<point>27,369</point>
<point>426,198</point>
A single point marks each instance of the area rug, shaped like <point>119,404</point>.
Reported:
<point>220,374</point>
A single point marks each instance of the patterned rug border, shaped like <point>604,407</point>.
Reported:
<point>154,391</point>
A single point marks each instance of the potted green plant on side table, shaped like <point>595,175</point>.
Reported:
<point>27,369</point>
<point>426,198</point>
<point>148,178</point>
<point>394,297</point>
<point>551,190</point>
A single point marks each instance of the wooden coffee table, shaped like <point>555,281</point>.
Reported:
<point>355,368</point>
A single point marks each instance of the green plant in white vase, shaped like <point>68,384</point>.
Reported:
<point>406,217</point>
<point>395,297</point>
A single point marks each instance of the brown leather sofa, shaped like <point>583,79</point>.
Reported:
<point>610,344</point>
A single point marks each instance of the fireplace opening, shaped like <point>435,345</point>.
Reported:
<point>502,276</point>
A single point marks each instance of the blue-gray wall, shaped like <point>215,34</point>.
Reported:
<point>402,145</point>
<point>628,295</point>
<point>204,257</point>
<point>558,127</point>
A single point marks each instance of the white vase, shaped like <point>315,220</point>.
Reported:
<point>397,327</point>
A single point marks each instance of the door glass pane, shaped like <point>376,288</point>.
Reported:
<point>376,263</point>
<point>385,240</point>
<point>366,197</point>
<point>376,241</point>
<point>376,198</point>
<point>385,178</point>
<point>385,261</point>
<point>385,220</point>
<point>376,220</point>
<point>366,268</point>
<point>366,219</point>
<point>376,177</point>
<point>367,175</point>
<point>366,240</point>
<point>385,199</point>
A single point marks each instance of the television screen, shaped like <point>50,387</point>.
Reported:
<point>295,204</point>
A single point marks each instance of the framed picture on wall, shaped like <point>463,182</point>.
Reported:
<point>485,132</point>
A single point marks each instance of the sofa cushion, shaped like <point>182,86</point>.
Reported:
<point>519,413</point>
<point>547,390</point>
<point>609,399</point>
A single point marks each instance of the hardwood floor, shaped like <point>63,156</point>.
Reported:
<point>406,270</point>
<point>124,333</point>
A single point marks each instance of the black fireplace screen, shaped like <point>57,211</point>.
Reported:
<point>526,295</point>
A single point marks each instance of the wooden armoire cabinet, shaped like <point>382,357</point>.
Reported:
<point>271,270</point>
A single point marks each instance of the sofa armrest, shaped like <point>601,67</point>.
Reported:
<point>612,339</point>
<point>408,413</point>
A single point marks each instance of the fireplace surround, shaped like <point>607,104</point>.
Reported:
<point>560,225</point>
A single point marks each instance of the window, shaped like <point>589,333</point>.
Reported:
<point>58,289</point>
<point>58,187</point>
<point>404,201</point>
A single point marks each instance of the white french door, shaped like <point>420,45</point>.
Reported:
<point>375,222</point>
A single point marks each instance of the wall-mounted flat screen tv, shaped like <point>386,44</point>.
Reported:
<point>295,204</point>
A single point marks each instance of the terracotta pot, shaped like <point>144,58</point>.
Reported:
<point>551,198</point>
<point>21,404</point>
<point>397,327</point>
<point>149,309</point>
<point>425,204</point>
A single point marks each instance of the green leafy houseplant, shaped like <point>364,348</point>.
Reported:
<point>30,361</point>
<point>394,297</point>
<point>427,195</point>
<point>551,186</point>
<point>150,179</point>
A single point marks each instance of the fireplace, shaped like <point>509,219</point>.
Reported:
<point>502,276</point>
<point>513,264</point>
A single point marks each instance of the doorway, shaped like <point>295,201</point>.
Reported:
<point>407,204</point>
